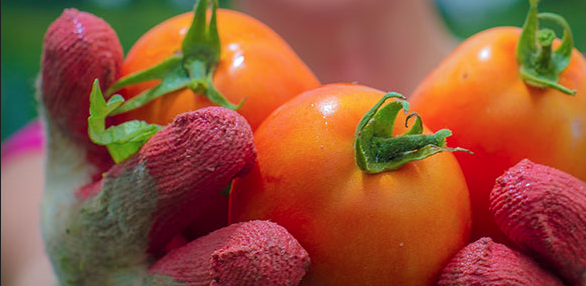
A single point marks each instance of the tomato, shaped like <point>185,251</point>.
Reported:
<point>398,227</point>
<point>255,65</point>
<point>480,94</point>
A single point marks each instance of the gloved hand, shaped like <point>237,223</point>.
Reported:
<point>112,224</point>
<point>542,210</point>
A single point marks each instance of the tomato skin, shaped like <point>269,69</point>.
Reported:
<point>477,92</point>
<point>398,227</point>
<point>255,65</point>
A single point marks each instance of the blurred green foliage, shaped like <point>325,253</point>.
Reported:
<point>23,24</point>
<point>468,17</point>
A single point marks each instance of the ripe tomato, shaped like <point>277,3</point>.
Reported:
<point>398,227</point>
<point>479,93</point>
<point>255,64</point>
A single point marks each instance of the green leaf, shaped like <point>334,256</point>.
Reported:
<point>123,140</point>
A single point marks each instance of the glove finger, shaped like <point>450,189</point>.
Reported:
<point>485,262</point>
<point>543,211</point>
<point>78,48</point>
<point>250,253</point>
<point>146,200</point>
<point>186,166</point>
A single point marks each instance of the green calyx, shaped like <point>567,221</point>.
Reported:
<point>123,140</point>
<point>193,68</point>
<point>377,150</point>
<point>540,65</point>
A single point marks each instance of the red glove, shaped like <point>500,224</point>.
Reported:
<point>542,210</point>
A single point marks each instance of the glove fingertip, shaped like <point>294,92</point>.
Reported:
<point>78,48</point>
<point>249,253</point>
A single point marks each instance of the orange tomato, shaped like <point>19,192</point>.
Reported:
<point>479,93</point>
<point>393,228</point>
<point>255,65</point>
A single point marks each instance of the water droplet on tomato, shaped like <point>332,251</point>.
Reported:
<point>328,107</point>
<point>237,60</point>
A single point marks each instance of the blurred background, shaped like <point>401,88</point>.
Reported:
<point>24,23</point>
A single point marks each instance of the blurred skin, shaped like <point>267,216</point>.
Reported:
<point>389,45</point>
<point>23,259</point>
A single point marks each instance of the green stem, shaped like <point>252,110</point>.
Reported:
<point>197,74</point>
<point>193,68</point>
<point>539,65</point>
<point>545,39</point>
<point>377,150</point>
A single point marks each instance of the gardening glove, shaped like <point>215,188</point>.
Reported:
<point>542,210</point>
<point>134,223</point>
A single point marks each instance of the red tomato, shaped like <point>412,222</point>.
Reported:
<point>398,227</point>
<point>255,64</point>
<point>479,93</point>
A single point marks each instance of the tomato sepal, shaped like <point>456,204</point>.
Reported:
<point>193,68</point>
<point>123,140</point>
<point>173,77</point>
<point>539,65</point>
<point>377,150</point>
